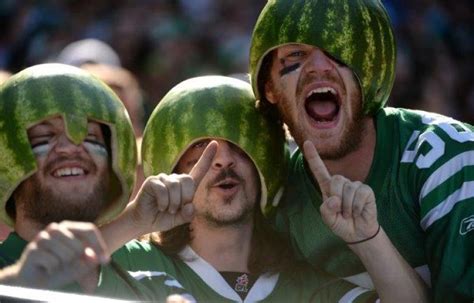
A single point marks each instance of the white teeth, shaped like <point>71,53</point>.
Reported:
<point>322,90</point>
<point>69,171</point>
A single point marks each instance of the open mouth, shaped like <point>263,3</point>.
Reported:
<point>227,184</point>
<point>65,172</point>
<point>323,105</point>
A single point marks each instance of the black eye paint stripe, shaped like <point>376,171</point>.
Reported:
<point>289,69</point>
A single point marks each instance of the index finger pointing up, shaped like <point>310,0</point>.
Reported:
<point>318,169</point>
<point>204,163</point>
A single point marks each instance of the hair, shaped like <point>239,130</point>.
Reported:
<point>263,77</point>
<point>269,253</point>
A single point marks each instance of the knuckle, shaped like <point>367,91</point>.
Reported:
<point>173,184</point>
<point>366,190</point>
<point>43,235</point>
<point>162,192</point>
<point>52,227</point>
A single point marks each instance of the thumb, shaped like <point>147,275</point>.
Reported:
<point>185,215</point>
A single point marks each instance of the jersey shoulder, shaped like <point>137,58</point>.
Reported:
<point>428,140</point>
<point>436,162</point>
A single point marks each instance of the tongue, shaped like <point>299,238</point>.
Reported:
<point>321,110</point>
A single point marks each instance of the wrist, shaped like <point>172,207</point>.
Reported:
<point>366,239</point>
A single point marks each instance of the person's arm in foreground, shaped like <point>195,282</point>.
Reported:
<point>350,211</point>
<point>60,254</point>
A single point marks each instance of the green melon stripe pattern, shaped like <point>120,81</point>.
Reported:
<point>356,32</point>
<point>48,90</point>
<point>216,107</point>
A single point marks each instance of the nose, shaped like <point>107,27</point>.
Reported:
<point>224,157</point>
<point>66,146</point>
<point>318,61</point>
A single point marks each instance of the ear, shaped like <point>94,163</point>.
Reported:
<point>269,93</point>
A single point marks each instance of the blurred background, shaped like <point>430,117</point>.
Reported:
<point>164,42</point>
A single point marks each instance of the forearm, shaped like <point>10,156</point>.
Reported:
<point>394,279</point>
<point>121,230</point>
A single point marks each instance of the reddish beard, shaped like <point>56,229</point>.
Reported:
<point>350,139</point>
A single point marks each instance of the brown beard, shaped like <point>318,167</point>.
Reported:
<point>247,212</point>
<point>42,205</point>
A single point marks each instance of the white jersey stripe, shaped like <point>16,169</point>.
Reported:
<point>465,192</point>
<point>139,275</point>
<point>445,171</point>
<point>352,295</point>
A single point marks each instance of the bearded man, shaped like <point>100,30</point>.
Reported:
<point>326,69</point>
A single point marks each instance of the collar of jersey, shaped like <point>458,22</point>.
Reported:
<point>259,291</point>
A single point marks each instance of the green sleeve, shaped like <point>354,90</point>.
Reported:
<point>443,174</point>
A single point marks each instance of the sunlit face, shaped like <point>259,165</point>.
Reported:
<point>318,98</point>
<point>228,192</point>
<point>72,181</point>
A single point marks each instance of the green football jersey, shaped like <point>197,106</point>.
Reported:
<point>422,175</point>
<point>198,280</point>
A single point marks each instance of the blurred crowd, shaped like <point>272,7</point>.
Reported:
<point>164,42</point>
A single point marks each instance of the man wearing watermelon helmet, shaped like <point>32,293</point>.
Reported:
<point>326,69</point>
<point>68,153</point>
<point>205,137</point>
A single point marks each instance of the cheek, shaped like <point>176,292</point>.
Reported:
<point>96,149</point>
<point>41,150</point>
<point>98,153</point>
<point>288,83</point>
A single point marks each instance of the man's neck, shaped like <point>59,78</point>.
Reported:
<point>225,248</point>
<point>26,228</point>
<point>356,165</point>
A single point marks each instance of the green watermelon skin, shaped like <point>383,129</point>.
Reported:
<point>355,32</point>
<point>215,107</point>
<point>50,90</point>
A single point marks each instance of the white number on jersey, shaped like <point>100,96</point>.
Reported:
<point>454,129</point>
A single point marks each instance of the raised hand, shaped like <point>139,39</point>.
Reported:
<point>58,255</point>
<point>164,201</point>
<point>348,208</point>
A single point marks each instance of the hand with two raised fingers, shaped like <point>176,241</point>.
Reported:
<point>60,254</point>
<point>348,207</point>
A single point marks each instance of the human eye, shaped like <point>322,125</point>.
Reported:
<point>296,54</point>
<point>39,140</point>
<point>41,144</point>
<point>94,139</point>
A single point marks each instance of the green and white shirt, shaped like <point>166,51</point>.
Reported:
<point>200,281</point>
<point>423,179</point>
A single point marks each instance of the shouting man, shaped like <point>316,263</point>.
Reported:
<point>326,69</point>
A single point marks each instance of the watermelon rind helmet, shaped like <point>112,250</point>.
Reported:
<point>356,33</point>
<point>52,90</point>
<point>216,107</point>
